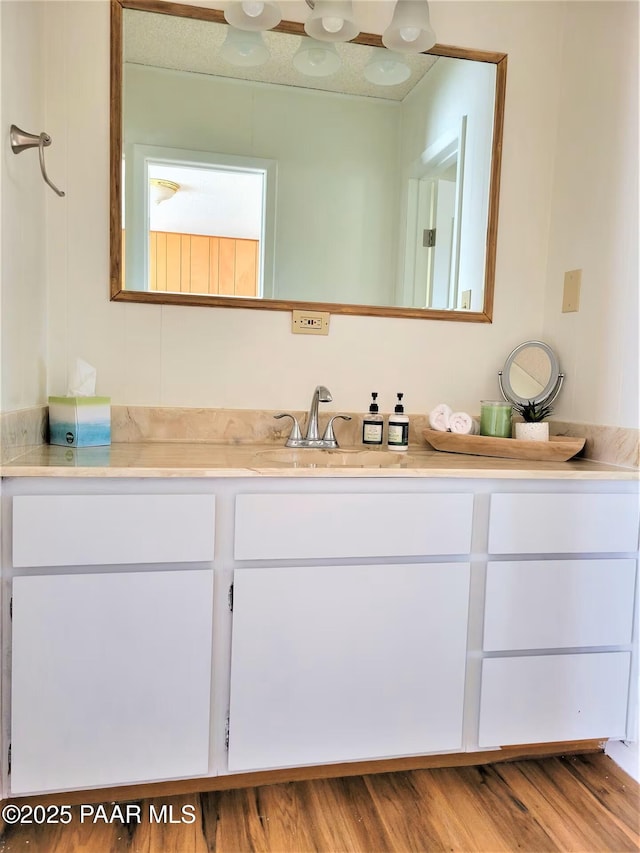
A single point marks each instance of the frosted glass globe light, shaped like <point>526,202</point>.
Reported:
<point>244,48</point>
<point>332,24</point>
<point>252,15</point>
<point>410,29</point>
<point>316,58</point>
<point>331,20</point>
<point>253,9</point>
<point>409,34</point>
<point>386,68</point>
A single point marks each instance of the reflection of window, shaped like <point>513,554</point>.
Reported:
<point>200,223</point>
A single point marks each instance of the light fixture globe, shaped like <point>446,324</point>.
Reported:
<point>252,15</point>
<point>386,68</point>
<point>410,28</point>
<point>162,190</point>
<point>245,49</point>
<point>316,58</point>
<point>331,20</point>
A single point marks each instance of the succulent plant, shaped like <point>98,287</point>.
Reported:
<point>533,412</point>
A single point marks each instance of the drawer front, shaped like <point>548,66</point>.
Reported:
<point>554,698</point>
<point>563,524</point>
<point>89,530</point>
<point>548,604</point>
<point>295,526</point>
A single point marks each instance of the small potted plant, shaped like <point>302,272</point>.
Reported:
<point>533,427</point>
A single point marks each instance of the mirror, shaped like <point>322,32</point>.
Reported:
<point>368,199</point>
<point>531,373</point>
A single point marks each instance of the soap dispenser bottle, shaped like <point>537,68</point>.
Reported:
<point>372,423</point>
<point>398,431</point>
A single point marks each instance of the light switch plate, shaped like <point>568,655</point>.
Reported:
<point>571,292</point>
<point>310,322</point>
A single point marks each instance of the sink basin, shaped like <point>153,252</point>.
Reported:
<point>305,457</point>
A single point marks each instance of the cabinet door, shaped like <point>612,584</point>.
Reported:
<point>342,663</point>
<point>111,677</point>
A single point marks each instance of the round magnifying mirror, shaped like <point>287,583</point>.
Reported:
<point>531,373</point>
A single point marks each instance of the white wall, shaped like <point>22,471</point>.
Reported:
<point>22,258</point>
<point>594,215</point>
<point>240,358</point>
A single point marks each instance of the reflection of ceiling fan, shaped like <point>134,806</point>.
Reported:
<point>332,20</point>
<point>161,190</point>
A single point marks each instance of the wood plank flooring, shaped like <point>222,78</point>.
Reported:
<point>577,803</point>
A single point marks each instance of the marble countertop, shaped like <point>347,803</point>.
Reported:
<point>202,459</point>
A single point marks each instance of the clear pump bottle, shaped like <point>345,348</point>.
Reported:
<point>372,423</point>
<point>398,431</point>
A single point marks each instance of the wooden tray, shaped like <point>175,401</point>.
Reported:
<point>559,448</point>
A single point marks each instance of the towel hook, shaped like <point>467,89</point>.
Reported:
<point>21,140</point>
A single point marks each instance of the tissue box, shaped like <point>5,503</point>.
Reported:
<point>80,421</point>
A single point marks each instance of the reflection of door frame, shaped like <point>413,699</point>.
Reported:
<point>137,204</point>
<point>433,162</point>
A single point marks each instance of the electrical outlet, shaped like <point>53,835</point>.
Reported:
<point>465,299</point>
<point>571,292</point>
<point>310,322</point>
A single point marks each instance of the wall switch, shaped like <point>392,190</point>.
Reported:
<point>465,299</point>
<point>310,323</point>
<point>571,292</point>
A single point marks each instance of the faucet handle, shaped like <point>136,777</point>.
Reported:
<point>295,434</point>
<point>329,438</point>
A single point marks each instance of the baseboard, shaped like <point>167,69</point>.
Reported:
<point>325,771</point>
<point>626,755</point>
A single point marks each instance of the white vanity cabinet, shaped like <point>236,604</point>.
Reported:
<point>558,620</point>
<point>371,618</point>
<point>346,662</point>
<point>111,666</point>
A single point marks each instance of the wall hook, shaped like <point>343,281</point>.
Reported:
<point>21,140</point>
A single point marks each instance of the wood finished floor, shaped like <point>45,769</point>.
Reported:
<point>573,803</point>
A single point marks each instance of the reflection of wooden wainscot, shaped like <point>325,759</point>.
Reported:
<point>192,263</point>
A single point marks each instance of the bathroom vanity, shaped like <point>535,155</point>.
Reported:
<point>232,614</point>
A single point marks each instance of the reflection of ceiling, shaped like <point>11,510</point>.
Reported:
<point>186,44</point>
<point>223,203</point>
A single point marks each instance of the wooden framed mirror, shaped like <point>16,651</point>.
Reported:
<point>393,215</point>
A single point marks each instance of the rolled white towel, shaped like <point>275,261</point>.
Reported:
<point>439,417</point>
<point>463,424</point>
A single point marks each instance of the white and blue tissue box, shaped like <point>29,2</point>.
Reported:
<point>80,421</point>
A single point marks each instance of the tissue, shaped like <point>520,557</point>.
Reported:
<point>83,380</point>
<point>80,419</point>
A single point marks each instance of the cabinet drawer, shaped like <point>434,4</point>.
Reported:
<point>295,526</point>
<point>562,524</point>
<point>89,530</point>
<point>554,698</point>
<point>546,604</point>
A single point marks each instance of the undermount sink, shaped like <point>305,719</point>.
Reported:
<point>302,457</point>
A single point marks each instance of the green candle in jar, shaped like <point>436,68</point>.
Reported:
<point>495,418</point>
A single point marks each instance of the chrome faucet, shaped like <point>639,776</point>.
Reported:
<point>312,438</point>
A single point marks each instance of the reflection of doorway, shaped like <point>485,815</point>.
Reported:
<point>206,237</point>
<point>213,235</point>
<point>434,212</point>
